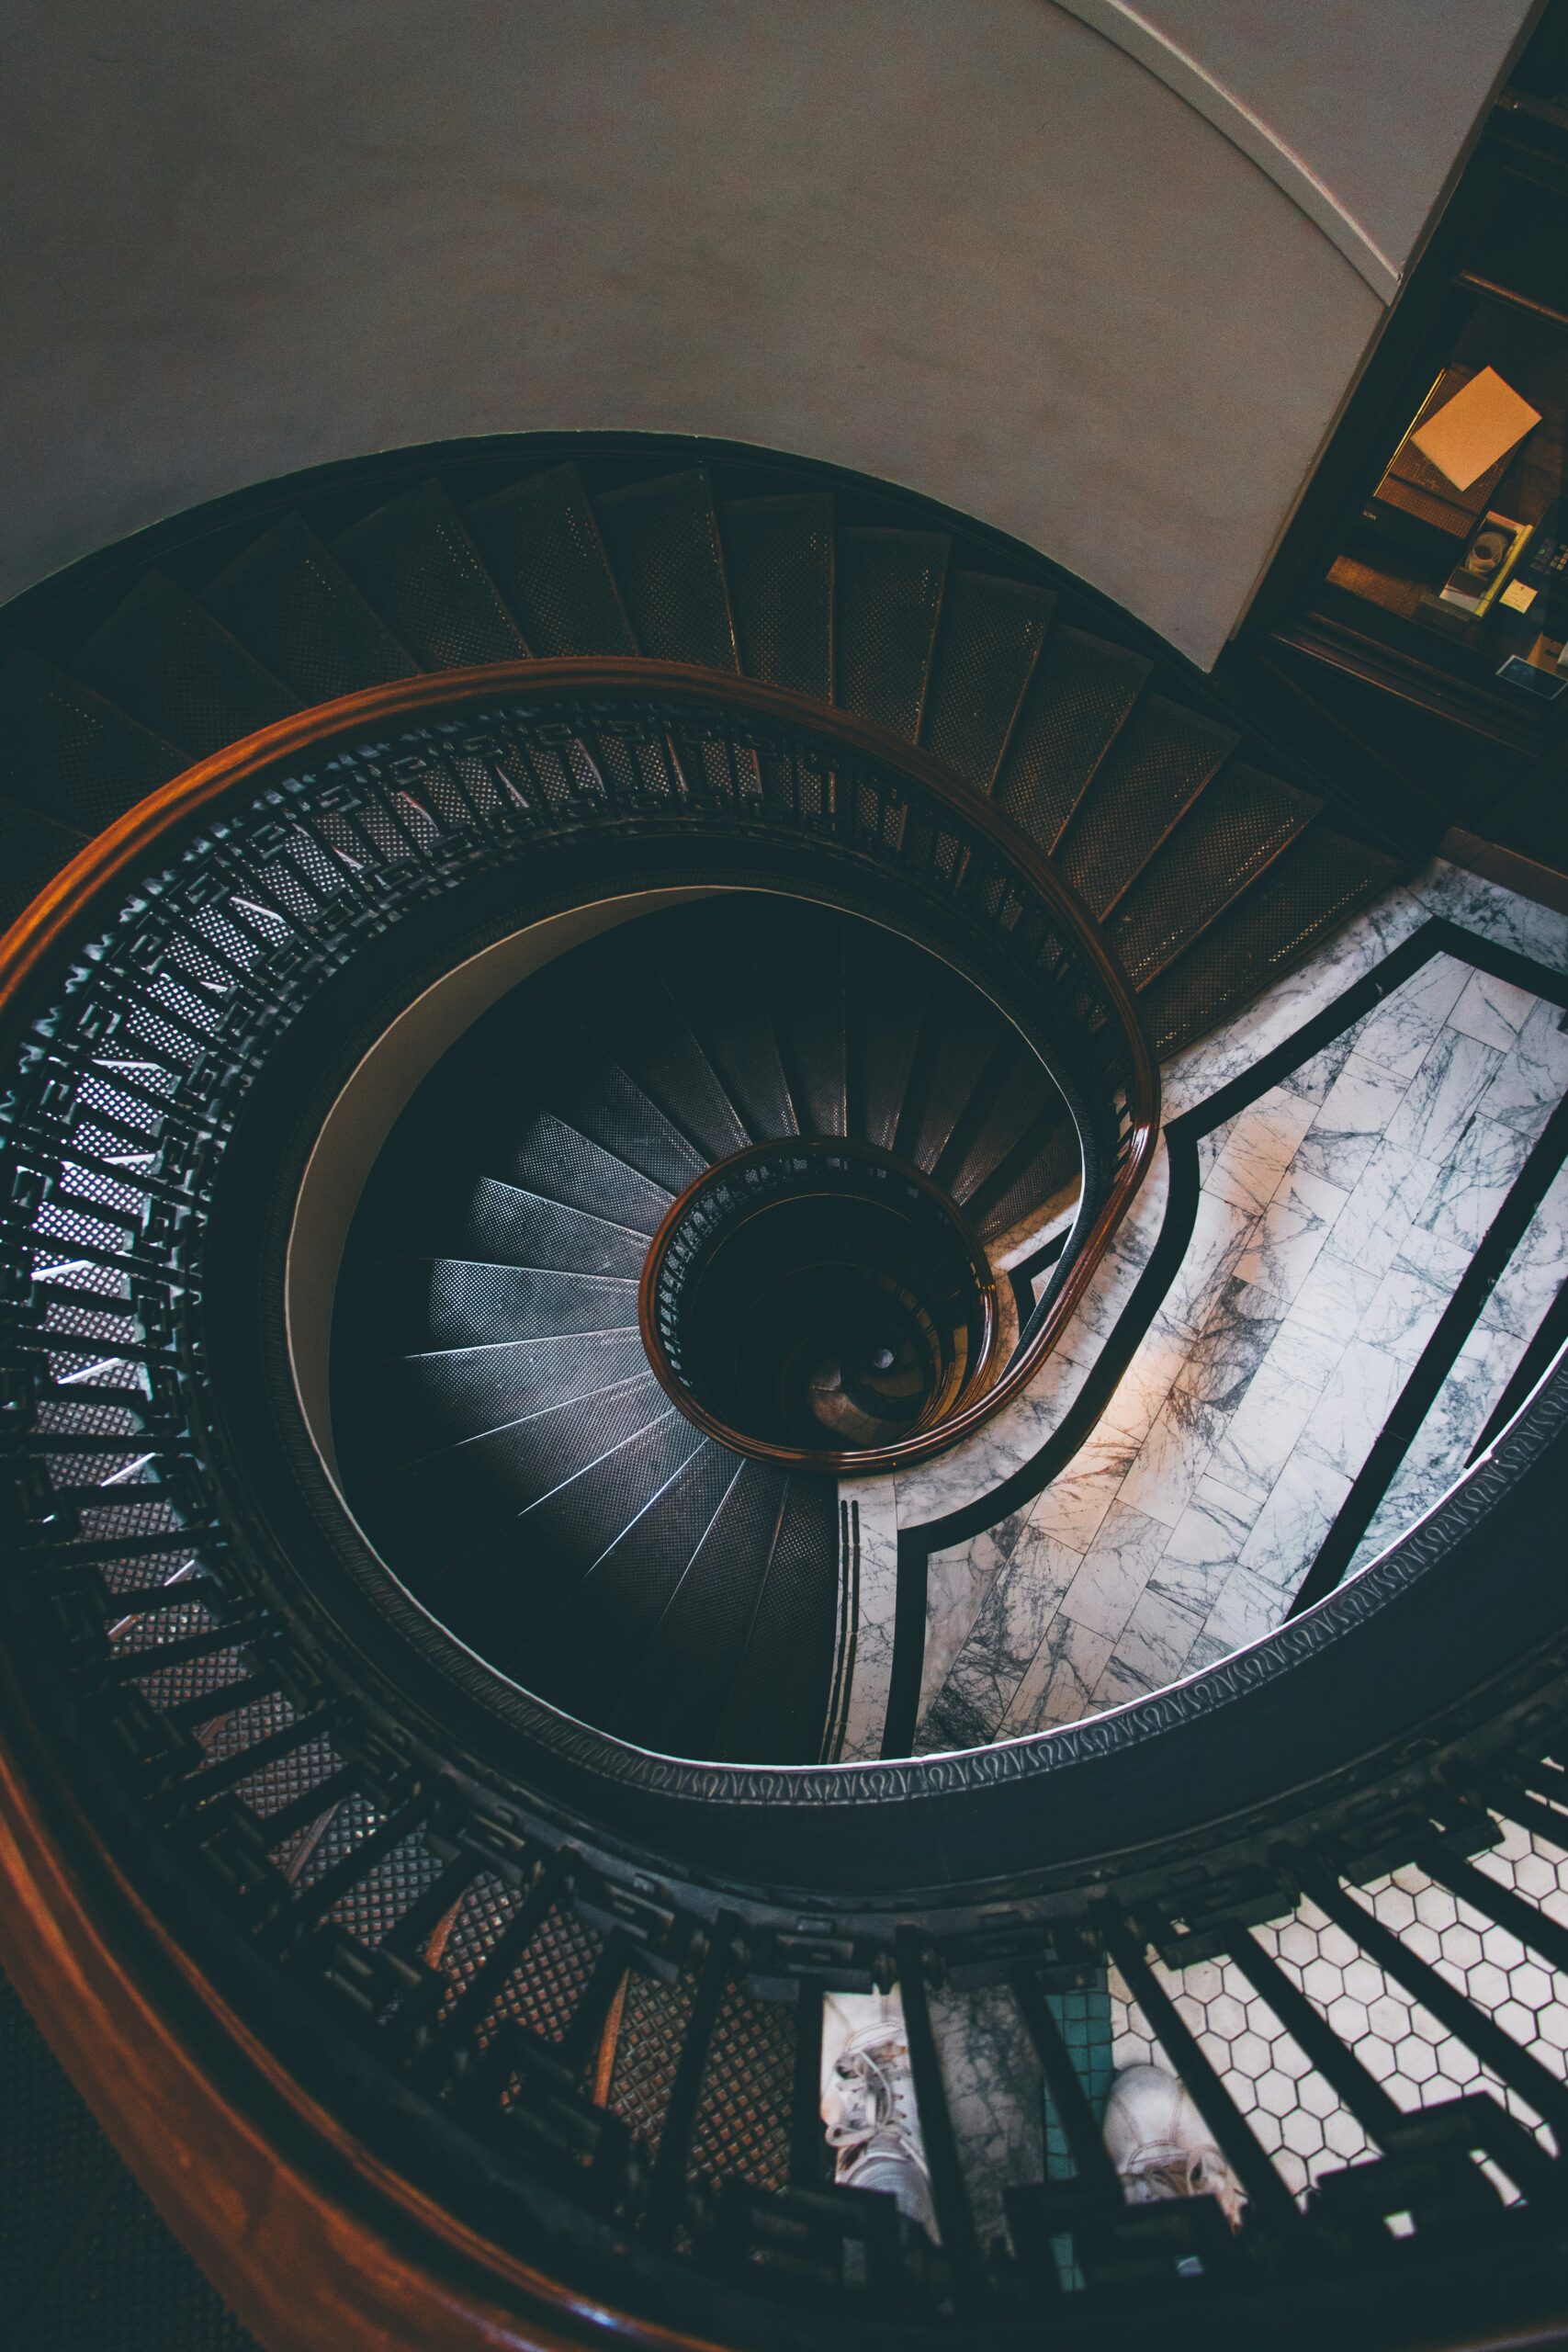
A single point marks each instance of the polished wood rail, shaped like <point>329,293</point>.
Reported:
<point>316,2242</point>
<point>26,948</point>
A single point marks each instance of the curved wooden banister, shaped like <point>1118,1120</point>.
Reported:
<point>119,849</point>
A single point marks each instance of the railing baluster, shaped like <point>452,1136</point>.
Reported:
<point>1527,1921</point>
<point>950,2195</point>
<point>663,2208</point>
<point>1091,2159</point>
<point>1351,2082</point>
<point>1452,2009</point>
<point>809,2164</point>
<point>1270,2200</point>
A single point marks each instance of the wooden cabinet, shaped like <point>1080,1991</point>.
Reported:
<point>1455,718</point>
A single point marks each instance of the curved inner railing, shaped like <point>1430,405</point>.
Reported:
<point>407,1962</point>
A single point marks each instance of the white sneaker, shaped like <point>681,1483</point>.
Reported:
<point>868,2102</point>
<point>1161,2146</point>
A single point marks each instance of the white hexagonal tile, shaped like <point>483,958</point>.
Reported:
<point>1249,2055</point>
<point>1303,2133</point>
<point>1532,1985</point>
<point>1316,2096</point>
<point>1348,2019</point>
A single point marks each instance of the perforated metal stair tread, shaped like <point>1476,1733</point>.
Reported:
<point>1240,825</point>
<point>1309,891</point>
<point>414,563</point>
<point>289,600</point>
<point>586,1648</point>
<point>71,756</point>
<point>1160,761</point>
<point>682,1678</point>
<point>543,549</point>
<point>1082,693</point>
<point>169,664</point>
<point>36,849</point>
<point>663,542</point>
<point>992,632</point>
<point>887,599</point>
<point>778,556</point>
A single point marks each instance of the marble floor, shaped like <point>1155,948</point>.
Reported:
<point>1337,1214</point>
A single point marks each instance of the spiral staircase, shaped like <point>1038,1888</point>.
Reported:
<point>547,982</point>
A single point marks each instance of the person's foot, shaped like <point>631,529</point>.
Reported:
<point>868,2102</point>
<point>1160,2144</point>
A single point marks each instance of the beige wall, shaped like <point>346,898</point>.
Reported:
<point>975,248</point>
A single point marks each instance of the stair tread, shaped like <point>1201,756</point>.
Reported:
<point>415,565</point>
<point>71,756</point>
<point>778,1702</point>
<point>1316,883</point>
<point>1240,824</point>
<point>563,1534</point>
<point>541,544</point>
<point>540,1153</point>
<point>991,636</point>
<point>445,1504</point>
<point>732,1024</point>
<point>663,543</point>
<point>503,1225</point>
<point>778,558</point>
<point>1080,696</point>
<point>1046,1158</point>
<point>636,1020</point>
<point>962,1034</point>
<point>1160,761</point>
<point>35,849</point>
<point>171,665</point>
<point>438,1395</point>
<point>887,984</point>
<point>586,1647</point>
<point>432,1302</point>
<point>801,961</point>
<point>682,1682</point>
<point>887,598</point>
<point>289,602</point>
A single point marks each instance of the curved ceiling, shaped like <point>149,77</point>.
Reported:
<point>982,252</point>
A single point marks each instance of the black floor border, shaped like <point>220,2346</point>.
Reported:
<point>1437,935</point>
<point>1435,1363</point>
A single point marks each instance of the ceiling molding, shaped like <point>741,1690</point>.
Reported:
<point>1234,120</point>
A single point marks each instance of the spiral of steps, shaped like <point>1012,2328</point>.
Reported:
<point>570,1982</point>
<point>499,1431</point>
<point>1209,870</point>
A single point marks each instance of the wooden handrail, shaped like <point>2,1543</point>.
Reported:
<point>314,2240</point>
<point>26,948</point>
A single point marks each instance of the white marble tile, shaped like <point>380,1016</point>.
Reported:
<point>1238,1336</point>
<point>1318,1074</point>
<point>1496,913</point>
<point>1077,1500</point>
<point>1444,1095</point>
<point>1263,1142</point>
<point>1532,1079</point>
<point>1173,1456</point>
<point>1008,1630</point>
<point>1402,1030</point>
<point>1157,1639</point>
<point>1282,1246</point>
<point>875,1502</point>
<point>1220,1231</point>
<point>1204,1545</point>
<point>1471,1187</point>
<point>1126,1548</point>
<point>1249,1606</point>
<point>1370,1229</point>
<point>1360,1395</point>
<point>1290,1529</point>
<point>957,1582</point>
<point>1255,1448</point>
<point>992,2080</point>
<point>1350,1124</point>
<point>1329,1307</point>
<point>1491,1010</point>
<point>1404,1313</point>
<point>1538,1269</point>
<point>1061,1681</point>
